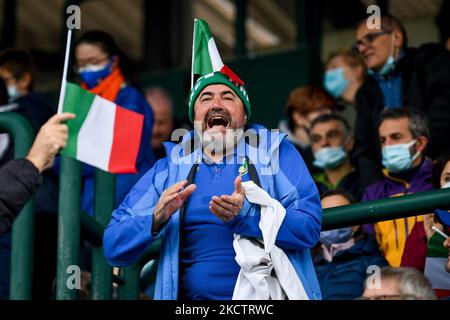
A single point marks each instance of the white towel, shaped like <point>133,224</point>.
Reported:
<point>266,272</point>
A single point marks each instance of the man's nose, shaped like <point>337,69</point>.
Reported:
<point>325,143</point>
<point>362,47</point>
<point>217,102</point>
<point>216,108</point>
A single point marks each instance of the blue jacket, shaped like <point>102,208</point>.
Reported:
<point>343,278</point>
<point>131,99</point>
<point>128,234</point>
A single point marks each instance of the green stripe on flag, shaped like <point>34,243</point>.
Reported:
<point>77,101</point>
<point>202,61</point>
<point>436,247</point>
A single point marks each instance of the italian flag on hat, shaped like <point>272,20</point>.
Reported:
<point>208,68</point>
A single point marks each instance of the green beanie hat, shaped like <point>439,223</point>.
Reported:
<point>218,78</point>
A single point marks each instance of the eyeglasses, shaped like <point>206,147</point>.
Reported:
<point>82,64</point>
<point>367,39</point>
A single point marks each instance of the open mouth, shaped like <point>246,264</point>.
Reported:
<point>218,120</point>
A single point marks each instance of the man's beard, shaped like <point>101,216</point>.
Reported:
<point>214,140</point>
<point>219,144</point>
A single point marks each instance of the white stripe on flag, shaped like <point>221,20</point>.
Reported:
<point>216,61</point>
<point>96,134</point>
<point>436,273</point>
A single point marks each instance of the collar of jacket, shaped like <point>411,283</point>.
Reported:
<point>423,174</point>
<point>261,143</point>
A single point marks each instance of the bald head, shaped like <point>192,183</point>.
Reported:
<point>162,107</point>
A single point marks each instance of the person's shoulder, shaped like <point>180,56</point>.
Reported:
<point>428,54</point>
<point>368,94</point>
<point>129,92</point>
<point>34,99</point>
<point>427,49</point>
<point>375,190</point>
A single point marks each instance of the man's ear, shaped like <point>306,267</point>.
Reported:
<point>398,38</point>
<point>24,83</point>
<point>421,144</point>
<point>349,144</point>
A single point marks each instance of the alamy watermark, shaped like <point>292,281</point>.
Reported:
<point>74,277</point>
<point>260,146</point>
<point>74,19</point>
<point>374,20</point>
<point>374,280</point>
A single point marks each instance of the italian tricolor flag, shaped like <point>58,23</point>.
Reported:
<point>103,134</point>
<point>435,262</point>
<point>205,56</point>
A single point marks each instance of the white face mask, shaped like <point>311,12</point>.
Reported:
<point>13,92</point>
<point>446,185</point>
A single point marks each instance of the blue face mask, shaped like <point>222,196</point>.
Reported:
<point>335,82</point>
<point>329,157</point>
<point>330,237</point>
<point>91,75</point>
<point>397,158</point>
<point>388,66</point>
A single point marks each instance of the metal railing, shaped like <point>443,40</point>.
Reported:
<point>73,225</point>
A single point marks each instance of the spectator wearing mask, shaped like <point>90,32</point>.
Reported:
<point>418,78</point>
<point>164,121</point>
<point>17,71</point>
<point>404,136</point>
<point>331,143</point>
<point>398,284</point>
<point>104,70</point>
<point>344,255</point>
<point>303,105</point>
<point>345,73</point>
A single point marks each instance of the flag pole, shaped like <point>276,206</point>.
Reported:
<point>64,77</point>
<point>192,64</point>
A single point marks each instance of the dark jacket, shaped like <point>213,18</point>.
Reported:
<point>19,179</point>
<point>343,278</point>
<point>425,75</point>
<point>37,111</point>
<point>351,183</point>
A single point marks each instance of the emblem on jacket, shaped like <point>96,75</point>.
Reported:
<point>244,168</point>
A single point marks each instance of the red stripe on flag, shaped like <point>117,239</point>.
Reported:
<point>126,141</point>
<point>233,76</point>
<point>442,293</point>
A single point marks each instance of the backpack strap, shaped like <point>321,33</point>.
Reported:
<point>190,180</point>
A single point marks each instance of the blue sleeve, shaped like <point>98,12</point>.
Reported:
<point>129,232</point>
<point>298,194</point>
